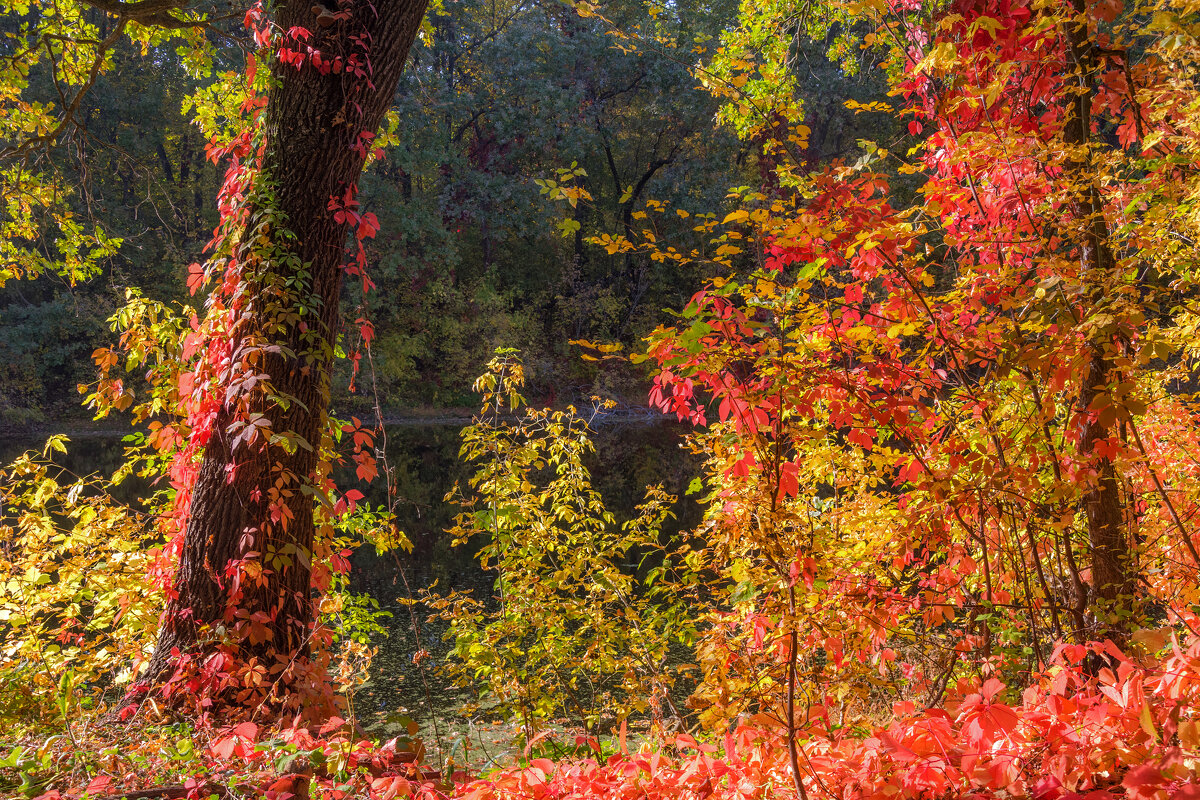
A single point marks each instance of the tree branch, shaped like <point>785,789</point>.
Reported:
<point>69,113</point>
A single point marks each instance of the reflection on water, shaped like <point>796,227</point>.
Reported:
<point>424,458</point>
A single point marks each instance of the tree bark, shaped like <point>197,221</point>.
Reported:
<point>244,573</point>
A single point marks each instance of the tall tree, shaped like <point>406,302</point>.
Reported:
<point>271,333</point>
<point>252,383</point>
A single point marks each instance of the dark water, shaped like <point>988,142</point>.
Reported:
<point>424,459</point>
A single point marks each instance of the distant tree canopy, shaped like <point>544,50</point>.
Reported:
<point>473,253</point>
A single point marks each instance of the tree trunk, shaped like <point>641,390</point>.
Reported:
<point>244,573</point>
<point>1112,567</point>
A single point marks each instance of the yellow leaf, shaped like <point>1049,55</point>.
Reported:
<point>1147,722</point>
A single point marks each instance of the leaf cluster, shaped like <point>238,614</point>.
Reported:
<point>588,613</point>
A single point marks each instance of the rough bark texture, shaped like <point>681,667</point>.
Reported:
<point>312,124</point>
<point>1111,562</point>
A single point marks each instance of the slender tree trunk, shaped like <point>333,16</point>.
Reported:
<point>244,572</point>
<point>1113,570</point>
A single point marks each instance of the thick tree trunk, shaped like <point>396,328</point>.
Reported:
<point>244,573</point>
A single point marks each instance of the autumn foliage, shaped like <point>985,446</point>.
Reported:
<point>943,399</point>
<point>1066,736</point>
<point>947,421</point>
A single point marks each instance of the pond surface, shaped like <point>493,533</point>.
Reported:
<point>630,455</point>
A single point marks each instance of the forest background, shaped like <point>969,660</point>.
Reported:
<point>472,254</point>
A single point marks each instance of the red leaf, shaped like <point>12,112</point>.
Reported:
<point>332,724</point>
<point>1143,782</point>
<point>223,748</point>
<point>789,482</point>
<point>247,730</point>
<point>366,470</point>
<point>368,225</point>
<point>98,784</point>
<point>195,278</point>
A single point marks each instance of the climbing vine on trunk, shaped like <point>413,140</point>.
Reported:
<point>247,403</point>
